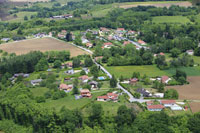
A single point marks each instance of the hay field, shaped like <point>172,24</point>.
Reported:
<point>190,91</point>
<point>41,44</point>
<point>156,4</point>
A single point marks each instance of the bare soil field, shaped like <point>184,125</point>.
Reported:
<point>157,4</point>
<point>195,107</point>
<point>190,91</point>
<point>41,44</point>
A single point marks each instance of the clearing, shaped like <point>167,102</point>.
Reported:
<point>195,107</point>
<point>190,91</point>
<point>127,71</point>
<point>20,16</point>
<point>41,44</point>
<point>156,4</point>
<point>171,19</point>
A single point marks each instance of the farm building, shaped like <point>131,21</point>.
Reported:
<point>176,107</point>
<point>149,103</point>
<point>141,42</point>
<point>155,107</point>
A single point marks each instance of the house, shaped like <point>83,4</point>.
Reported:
<point>98,58</point>
<point>130,32</point>
<point>69,64</point>
<point>121,30</point>
<point>190,52</point>
<point>176,107</point>
<point>61,35</point>
<point>67,16</point>
<point>107,45</point>
<point>5,39</point>
<point>109,97</point>
<point>165,79</point>
<point>85,93</point>
<point>93,84</point>
<point>84,78</point>
<point>84,40</point>
<point>89,45</point>
<point>143,92</point>
<point>65,87</point>
<point>126,43</point>
<point>168,103</point>
<point>70,72</point>
<point>155,107</point>
<point>36,82</point>
<point>162,54</point>
<point>158,95</point>
<point>21,74</point>
<point>133,81</point>
<point>103,29</point>
<point>110,37</point>
<point>149,103</point>
<point>141,42</point>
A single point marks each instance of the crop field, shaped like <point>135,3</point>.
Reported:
<point>156,4</point>
<point>190,91</point>
<point>41,44</point>
<point>171,19</point>
<point>195,106</point>
<point>127,71</point>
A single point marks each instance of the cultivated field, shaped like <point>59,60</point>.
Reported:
<point>42,44</point>
<point>171,19</point>
<point>156,4</point>
<point>190,91</point>
<point>195,107</point>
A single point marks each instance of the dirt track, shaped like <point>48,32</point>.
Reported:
<point>190,91</point>
<point>42,44</point>
<point>183,4</point>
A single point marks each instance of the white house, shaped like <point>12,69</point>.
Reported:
<point>159,95</point>
<point>190,52</point>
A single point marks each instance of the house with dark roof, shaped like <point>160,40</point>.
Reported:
<point>36,82</point>
<point>93,84</point>
<point>143,92</point>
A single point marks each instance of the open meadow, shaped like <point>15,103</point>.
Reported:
<point>41,44</point>
<point>20,16</point>
<point>171,19</point>
<point>155,3</point>
<point>195,107</point>
<point>190,91</point>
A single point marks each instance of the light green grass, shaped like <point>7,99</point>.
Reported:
<point>39,91</point>
<point>196,58</point>
<point>190,71</point>
<point>149,2</point>
<point>171,19</point>
<point>127,71</point>
<point>20,16</point>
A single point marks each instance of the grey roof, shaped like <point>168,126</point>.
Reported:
<point>93,83</point>
<point>143,92</point>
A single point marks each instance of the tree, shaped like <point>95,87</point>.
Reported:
<point>42,65</point>
<point>94,71</point>
<point>113,82</point>
<point>57,64</point>
<point>99,85</point>
<point>193,123</point>
<point>75,90</point>
<point>69,36</point>
<point>82,72</point>
<point>136,75</point>
<point>96,115</point>
<point>121,79</point>
<point>197,51</point>
<point>19,31</point>
<point>25,18</point>
<point>171,94</point>
<point>88,61</point>
<point>40,99</point>
<point>136,95</point>
<point>175,52</point>
<point>76,62</point>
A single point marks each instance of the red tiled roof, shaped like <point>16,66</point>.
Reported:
<point>85,91</point>
<point>161,53</point>
<point>112,94</point>
<point>103,97</point>
<point>133,80</point>
<point>155,106</point>
<point>149,102</point>
<point>126,42</point>
<point>120,29</point>
<point>107,43</point>
<point>168,101</point>
<point>84,77</point>
<point>98,57</point>
<point>141,42</point>
<point>164,79</point>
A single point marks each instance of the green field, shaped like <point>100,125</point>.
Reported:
<point>149,2</point>
<point>191,71</point>
<point>20,16</point>
<point>127,71</point>
<point>171,19</point>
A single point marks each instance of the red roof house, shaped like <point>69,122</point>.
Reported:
<point>120,29</point>
<point>65,87</point>
<point>149,102</point>
<point>167,103</point>
<point>108,97</point>
<point>165,79</point>
<point>141,42</point>
<point>85,93</point>
<point>133,81</point>
<point>89,45</point>
<point>155,107</point>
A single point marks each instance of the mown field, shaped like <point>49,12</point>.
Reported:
<point>195,107</point>
<point>20,16</point>
<point>41,44</point>
<point>171,19</point>
<point>155,3</point>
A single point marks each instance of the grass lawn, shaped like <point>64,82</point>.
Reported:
<point>171,19</point>
<point>191,71</point>
<point>196,58</point>
<point>20,16</point>
<point>148,2</point>
<point>39,91</point>
<point>127,71</point>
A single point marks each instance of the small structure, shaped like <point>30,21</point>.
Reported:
<point>5,39</point>
<point>93,84</point>
<point>68,16</point>
<point>98,58</point>
<point>70,72</point>
<point>165,79</point>
<point>36,82</point>
<point>143,92</point>
<point>101,78</point>
<point>158,95</point>
<point>65,87</point>
<point>131,32</point>
<point>133,81</point>
<point>103,29</point>
<point>69,64</point>
<point>168,103</point>
<point>107,45</point>
<point>84,40</point>
<point>155,107</point>
<point>21,74</point>
<point>84,78</point>
<point>190,52</point>
<point>149,103</point>
<point>141,42</point>
<point>89,45</point>
<point>176,107</point>
<point>109,97</point>
<point>85,93</point>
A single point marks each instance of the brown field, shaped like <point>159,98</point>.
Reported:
<point>195,107</point>
<point>184,4</point>
<point>42,44</point>
<point>190,91</point>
